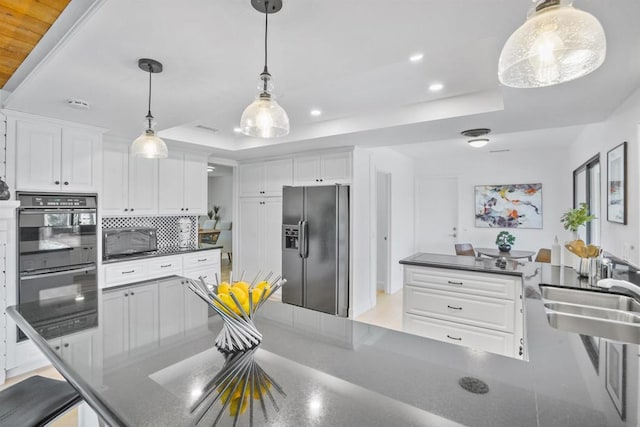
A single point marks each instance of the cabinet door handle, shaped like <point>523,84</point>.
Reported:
<point>56,182</point>
<point>321,180</point>
<point>126,295</point>
<point>454,308</point>
<point>521,351</point>
<point>186,209</point>
<point>454,338</point>
<point>165,266</point>
<point>202,259</point>
<point>66,183</point>
<point>128,272</point>
<point>181,209</point>
<point>57,347</point>
<point>131,209</point>
<point>66,344</point>
<point>454,283</point>
<point>126,210</point>
<point>132,293</point>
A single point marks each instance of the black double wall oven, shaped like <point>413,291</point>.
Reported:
<point>57,251</point>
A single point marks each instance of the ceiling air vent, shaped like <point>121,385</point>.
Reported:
<point>207,128</point>
<point>504,150</point>
<point>78,104</point>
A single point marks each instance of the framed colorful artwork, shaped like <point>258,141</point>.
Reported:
<point>508,206</point>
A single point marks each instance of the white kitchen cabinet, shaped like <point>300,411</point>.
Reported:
<point>196,311</point>
<point>260,224</point>
<point>265,179</point>
<point>474,309</point>
<point>182,184</point>
<point>143,316</point>
<point>143,186</point>
<point>53,157</point>
<point>323,169</point>
<point>171,308</point>
<point>82,350</point>
<point>115,179</point>
<point>115,332</point>
<point>121,273</point>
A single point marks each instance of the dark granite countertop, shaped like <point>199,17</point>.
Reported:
<point>337,371</point>
<point>161,252</point>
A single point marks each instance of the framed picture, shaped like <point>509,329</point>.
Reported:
<point>508,206</point>
<point>615,373</point>
<point>617,184</point>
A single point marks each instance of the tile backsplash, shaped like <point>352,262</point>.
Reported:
<point>167,227</point>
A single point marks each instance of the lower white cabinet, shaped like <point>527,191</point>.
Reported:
<point>205,263</point>
<point>479,310</point>
<point>82,350</point>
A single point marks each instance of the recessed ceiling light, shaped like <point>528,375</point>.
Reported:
<point>416,57</point>
<point>436,87</point>
<point>237,130</point>
<point>315,112</point>
<point>211,168</point>
<point>479,142</point>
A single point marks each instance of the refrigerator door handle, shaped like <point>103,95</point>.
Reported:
<point>305,242</point>
<point>300,239</point>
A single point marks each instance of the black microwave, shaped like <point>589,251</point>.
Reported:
<point>128,241</point>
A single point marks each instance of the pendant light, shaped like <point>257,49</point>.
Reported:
<point>264,117</point>
<point>556,44</point>
<point>149,145</point>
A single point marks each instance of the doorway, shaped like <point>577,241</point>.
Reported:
<point>383,232</point>
<point>436,214</point>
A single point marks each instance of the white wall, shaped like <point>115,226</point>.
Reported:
<point>401,233</point>
<point>220,193</point>
<point>622,125</point>
<point>516,167</point>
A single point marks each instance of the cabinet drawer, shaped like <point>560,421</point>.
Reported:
<point>477,311</point>
<point>201,259</point>
<point>455,333</point>
<point>489,285</point>
<point>125,272</point>
<point>207,273</point>
<point>165,266</point>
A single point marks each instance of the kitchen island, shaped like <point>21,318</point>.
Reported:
<point>335,371</point>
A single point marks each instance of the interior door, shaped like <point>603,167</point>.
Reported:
<point>436,214</point>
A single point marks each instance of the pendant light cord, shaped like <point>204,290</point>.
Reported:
<point>149,116</point>
<point>266,31</point>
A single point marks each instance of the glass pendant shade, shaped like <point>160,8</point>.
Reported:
<point>478,143</point>
<point>150,146</point>
<point>556,44</point>
<point>264,118</point>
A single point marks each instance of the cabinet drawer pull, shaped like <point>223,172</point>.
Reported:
<point>165,266</point>
<point>128,272</point>
<point>56,182</point>
<point>202,259</point>
<point>451,282</point>
<point>454,308</point>
<point>454,338</point>
<point>66,344</point>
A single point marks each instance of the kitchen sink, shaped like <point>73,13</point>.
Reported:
<point>590,298</point>
<point>600,314</point>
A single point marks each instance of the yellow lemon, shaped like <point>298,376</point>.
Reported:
<point>243,285</point>
<point>240,293</point>
<point>256,295</point>
<point>238,406</point>
<point>226,301</point>
<point>223,288</point>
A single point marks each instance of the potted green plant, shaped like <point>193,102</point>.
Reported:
<point>574,218</point>
<point>505,240</point>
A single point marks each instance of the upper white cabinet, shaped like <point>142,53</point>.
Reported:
<point>265,179</point>
<point>138,186</point>
<point>323,169</point>
<point>183,184</point>
<point>129,184</point>
<point>53,157</point>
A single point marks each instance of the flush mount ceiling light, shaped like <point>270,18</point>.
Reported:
<point>477,142</point>
<point>264,117</point>
<point>436,87</point>
<point>556,44</point>
<point>149,145</point>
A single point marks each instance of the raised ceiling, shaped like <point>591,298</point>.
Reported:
<point>22,25</point>
<point>346,59</point>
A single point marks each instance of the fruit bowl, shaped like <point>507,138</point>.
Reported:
<point>237,303</point>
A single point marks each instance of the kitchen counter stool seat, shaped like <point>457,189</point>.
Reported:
<point>36,401</point>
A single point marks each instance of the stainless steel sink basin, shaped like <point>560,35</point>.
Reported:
<point>600,314</point>
<point>589,298</point>
<point>619,331</point>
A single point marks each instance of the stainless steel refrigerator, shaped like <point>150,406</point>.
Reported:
<point>315,248</point>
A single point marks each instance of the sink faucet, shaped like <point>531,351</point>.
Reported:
<point>614,283</point>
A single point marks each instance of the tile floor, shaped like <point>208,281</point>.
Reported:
<point>387,312</point>
<point>70,419</point>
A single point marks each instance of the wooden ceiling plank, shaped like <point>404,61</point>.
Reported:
<point>10,19</point>
<point>15,44</point>
<point>36,9</point>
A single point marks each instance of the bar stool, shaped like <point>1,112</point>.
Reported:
<point>36,402</point>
